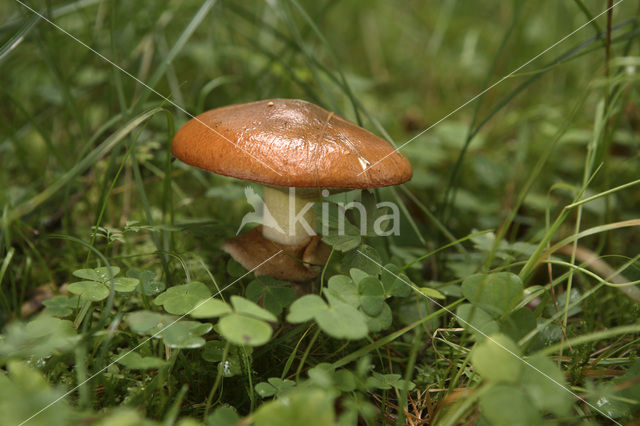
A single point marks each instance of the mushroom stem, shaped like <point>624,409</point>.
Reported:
<point>289,217</point>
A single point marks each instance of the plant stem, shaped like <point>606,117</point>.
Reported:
<point>217,382</point>
<point>417,338</point>
<point>306,353</point>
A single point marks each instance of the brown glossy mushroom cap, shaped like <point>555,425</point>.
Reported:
<point>289,142</point>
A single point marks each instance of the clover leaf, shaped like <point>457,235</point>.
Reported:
<point>342,320</point>
<point>341,234</point>
<point>365,258</point>
<point>476,320</point>
<point>371,295</point>
<point>210,308</point>
<point>244,330</point>
<point>352,310</point>
<point>89,290</point>
<point>243,325</point>
<point>507,405</point>
<point>496,293</point>
<point>185,334</point>
<point>306,308</point>
<point>97,281</point>
<point>38,338</point>
<point>60,306</point>
<point>395,282</point>
<point>310,407</point>
<point>180,299</point>
<point>231,365</point>
<point>275,295</point>
<point>357,275</point>
<point>341,287</point>
<point>338,318</point>
<point>248,308</point>
<point>148,285</point>
<point>543,382</point>
<point>134,361</point>
<point>274,386</point>
<point>147,322</point>
<point>497,359</point>
<point>213,351</point>
<point>518,323</point>
<point>100,274</point>
<point>246,325</point>
<point>224,415</point>
<point>175,334</point>
<point>380,322</point>
<point>387,381</point>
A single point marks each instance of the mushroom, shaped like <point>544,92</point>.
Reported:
<point>296,150</point>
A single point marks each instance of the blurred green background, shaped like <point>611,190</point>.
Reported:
<point>82,144</point>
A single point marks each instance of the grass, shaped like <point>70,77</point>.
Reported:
<point>534,185</point>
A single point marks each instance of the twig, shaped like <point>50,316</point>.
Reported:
<point>595,263</point>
